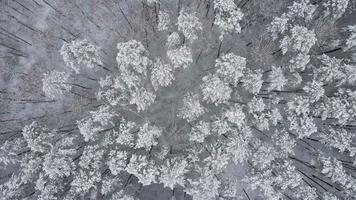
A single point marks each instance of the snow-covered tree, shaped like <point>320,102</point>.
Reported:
<point>147,136</point>
<point>172,173</point>
<point>278,26</point>
<point>277,79</point>
<point>173,40</point>
<point>315,90</point>
<point>214,90</point>
<point>231,67</point>
<point>162,74</point>
<point>143,168</point>
<point>236,116</point>
<point>335,8</point>
<point>55,83</point>
<point>117,161</point>
<point>301,9</point>
<point>132,57</point>
<point>189,24</point>
<point>351,40</point>
<point>333,169</point>
<point>88,129</point>
<point>163,21</point>
<point>142,98</point>
<point>80,52</point>
<point>37,137</point>
<point>227,17</point>
<point>205,187</point>
<point>199,132</point>
<point>252,81</point>
<point>191,108</point>
<point>301,40</point>
<point>181,57</point>
<point>238,148</point>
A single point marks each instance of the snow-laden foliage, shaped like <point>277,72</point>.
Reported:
<point>189,25</point>
<point>191,108</point>
<point>231,68</point>
<point>177,99</point>
<point>162,74</point>
<point>214,90</point>
<point>227,17</point>
<point>180,57</point>
<point>80,52</point>
<point>55,83</point>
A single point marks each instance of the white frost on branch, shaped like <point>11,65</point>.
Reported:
<point>189,25</point>
<point>191,108</point>
<point>55,83</point>
<point>172,173</point>
<point>335,8</point>
<point>147,136</point>
<point>351,40</point>
<point>277,79</point>
<point>132,57</point>
<point>301,40</point>
<point>80,52</point>
<point>214,90</point>
<point>199,132</point>
<point>252,81</point>
<point>181,57</point>
<point>163,21</point>
<point>231,68</point>
<point>142,98</point>
<point>227,17</point>
<point>162,74</point>
<point>143,168</point>
<point>117,161</point>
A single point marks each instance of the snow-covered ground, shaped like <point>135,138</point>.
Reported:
<point>177,99</point>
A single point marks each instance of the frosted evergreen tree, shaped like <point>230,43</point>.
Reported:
<point>162,74</point>
<point>55,83</point>
<point>144,169</point>
<point>80,52</point>
<point>191,108</point>
<point>189,25</point>
<point>231,68</point>
<point>172,173</point>
<point>214,90</point>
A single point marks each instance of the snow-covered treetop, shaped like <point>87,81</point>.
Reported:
<point>278,26</point>
<point>132,57</point>
<point>191,108</point>
<point>173,40</point>
<point>227,17</point>
<point>163,21</point>
<point>199,132</point>
<point>55,83</point>
<point>143,169</point>
<point>181,57</point>
<point>301,8</point>
<point>301,40</point>
<point>277,79</point>
<point>214,90</point>
<point>351,40</point>
<point>142,98</point>
<point>172,173</point>
<point>147,136</point>
<point>335,8</point>
<point>189,24</point>
<point>205,187</point>
<point>231,68</point>
<point>252,81</point>
<point>80,52</point>
<point>37,137</point>
<point>162,74</point>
